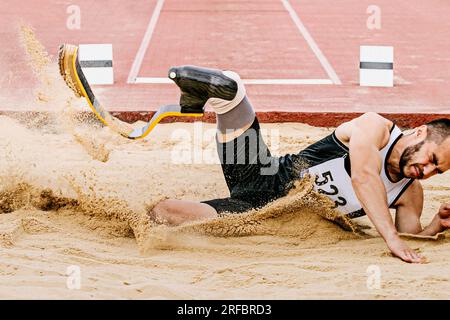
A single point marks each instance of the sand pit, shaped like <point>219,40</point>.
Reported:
<point>60,207</point>
<point>73,193</point>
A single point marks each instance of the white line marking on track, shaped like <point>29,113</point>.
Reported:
<point>145,42</point>
<point>246,81</point>
<point>312,44</point>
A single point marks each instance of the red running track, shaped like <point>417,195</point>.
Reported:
<point>257,38</point>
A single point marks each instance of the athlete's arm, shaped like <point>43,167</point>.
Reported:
<point>368,134</point>
<point>440,222</point>
<point>409,209</point>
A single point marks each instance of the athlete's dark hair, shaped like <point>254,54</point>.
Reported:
<point>438,130</point>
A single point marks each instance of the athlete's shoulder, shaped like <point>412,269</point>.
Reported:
<point>370,126</point>
<point>374,118</point>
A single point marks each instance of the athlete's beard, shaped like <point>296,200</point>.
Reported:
<point>407,156</point>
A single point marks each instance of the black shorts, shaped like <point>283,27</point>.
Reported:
<point>229,205</point>
<point>253,176</point>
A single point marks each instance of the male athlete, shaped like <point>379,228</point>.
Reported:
<point>366,166</point>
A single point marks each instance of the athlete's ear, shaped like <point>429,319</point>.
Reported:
<point>421,132</point>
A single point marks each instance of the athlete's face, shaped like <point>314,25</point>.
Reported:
<point>425,159</point>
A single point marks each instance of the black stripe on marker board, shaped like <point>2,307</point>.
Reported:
<point>96,64</point>
<point>376,65</point>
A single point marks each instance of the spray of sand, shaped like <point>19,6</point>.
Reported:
<point>303,214</point>
<point>108,214</point>
<point>53,93</point>
<point>301,200</point>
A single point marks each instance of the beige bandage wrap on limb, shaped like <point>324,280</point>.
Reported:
<point>233,116</point>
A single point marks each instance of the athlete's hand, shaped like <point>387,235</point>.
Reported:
<point>401,250</point>
<point>444,215</point>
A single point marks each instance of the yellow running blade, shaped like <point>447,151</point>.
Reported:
<point>72,73</point>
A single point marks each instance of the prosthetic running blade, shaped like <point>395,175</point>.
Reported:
<point>72,73</point>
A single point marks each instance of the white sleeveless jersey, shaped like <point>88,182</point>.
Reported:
<point>333,174</point>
